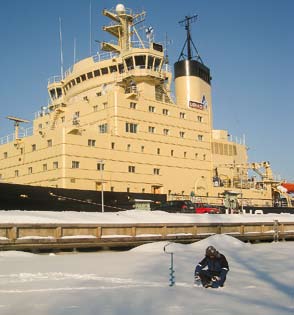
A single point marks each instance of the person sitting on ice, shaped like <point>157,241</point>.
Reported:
<point>212,270</point>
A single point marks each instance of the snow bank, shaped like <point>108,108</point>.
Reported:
<point>220,241</point>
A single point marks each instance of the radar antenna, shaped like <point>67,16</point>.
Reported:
<point>186,22</point>
<point>16,124</point>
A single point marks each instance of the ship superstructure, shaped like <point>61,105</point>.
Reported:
<point>112,121</point>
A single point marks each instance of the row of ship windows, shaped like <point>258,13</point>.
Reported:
<point>91,75</point>
<point>76,116</point>
<point>92,143</point>
<point>165,111</point>
<point>139,61</point>
<point>133,128</point>
<point>76,165</point>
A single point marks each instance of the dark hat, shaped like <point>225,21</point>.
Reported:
<point>211,251</point>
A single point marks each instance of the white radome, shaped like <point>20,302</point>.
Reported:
<point>120,8</point>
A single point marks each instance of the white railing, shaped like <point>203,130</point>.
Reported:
<point>24,132</point>
<point>54,79</point>
<point>104,56</point>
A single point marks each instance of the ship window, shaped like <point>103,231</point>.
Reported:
<point>132,169</point>
<point>151,109</point>
<point>166,132</point>
<point>100,166</point>
<point>132,128</point>
<point>130,63</point>
<point>83,76</point>
<point>113,69</point>
<point>75,164</point>
<point>121,68</point>
<point>91,142</point>
<point>157,63</point>
<point>151,129</point>
<point>52,94</point>
<point>59,92</point>
<point>103,128</point>
<point>78,80</point>
<point>140,61</point>
<point>104,71</point>
<point>150,62</point>
<point>96,73</point>
<point>90,75</point>
<point>73,82</point>
<point>156,171</point>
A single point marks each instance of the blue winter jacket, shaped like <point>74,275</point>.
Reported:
<point>216,266</point>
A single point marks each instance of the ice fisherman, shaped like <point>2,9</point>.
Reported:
<point>212,270</point>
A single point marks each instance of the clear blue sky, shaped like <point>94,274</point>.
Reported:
<point>247,44</point>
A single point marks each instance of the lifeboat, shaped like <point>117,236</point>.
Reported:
<point>289,187</point>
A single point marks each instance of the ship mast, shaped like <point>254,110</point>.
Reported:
<point>122,27</point>
<point>187,22</point>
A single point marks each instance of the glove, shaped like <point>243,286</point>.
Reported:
<point>196,277</point>
<point>215,278</point>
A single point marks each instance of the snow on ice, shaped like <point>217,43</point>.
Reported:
<point>136,282</point>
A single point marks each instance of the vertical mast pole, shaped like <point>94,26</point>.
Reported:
<point>90,28</point>
<point>61,51</point>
